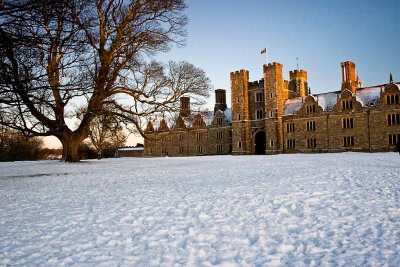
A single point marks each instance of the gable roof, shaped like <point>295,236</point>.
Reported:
<point>365,95</point>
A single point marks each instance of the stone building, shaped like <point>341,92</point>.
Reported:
<point>204,133</point>
<point>275,115</point>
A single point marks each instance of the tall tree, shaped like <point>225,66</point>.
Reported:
<point>57,55</point>
<point>106,132</point>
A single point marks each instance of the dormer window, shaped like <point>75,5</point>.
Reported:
<point>392,99</point>
<point>347,104</point>
<point>219,121</point>
<point>310,109</point>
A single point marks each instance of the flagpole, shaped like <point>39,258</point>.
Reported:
<point>265,51</point>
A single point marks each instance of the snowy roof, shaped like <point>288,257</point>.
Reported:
<point>208,117</point>
<point>228,115</point>
<point>327,101</point>
<point>157,122</point>
<point>368,95</point>
<point>128,148</point>
<point>292,105</point>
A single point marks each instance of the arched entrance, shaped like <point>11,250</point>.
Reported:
<point>259,141</point>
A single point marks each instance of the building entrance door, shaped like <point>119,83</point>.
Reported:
<point>259,140</point>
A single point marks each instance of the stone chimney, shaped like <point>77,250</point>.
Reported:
<point>349,79</point>
<point>185,106</point>
<point>220,100</point>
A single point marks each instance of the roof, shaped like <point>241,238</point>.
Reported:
<point>368,95</point>
<point>365,95</point>
<point>130,148</point>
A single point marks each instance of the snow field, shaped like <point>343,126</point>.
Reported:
<point>292,210</point>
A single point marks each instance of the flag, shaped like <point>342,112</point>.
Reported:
<point>264,51</point>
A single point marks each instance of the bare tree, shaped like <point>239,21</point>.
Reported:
<point>106,132</point>
<point>56,55</point>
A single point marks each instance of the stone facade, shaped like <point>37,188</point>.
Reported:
<point>205,133</point>
<point>274,116</point>
<point>353,119</point>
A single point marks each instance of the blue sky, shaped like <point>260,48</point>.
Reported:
<point>228,35</point>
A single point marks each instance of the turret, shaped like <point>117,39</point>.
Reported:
<point>275,96</point>
<point>298,85</point>
<point>241,143</point>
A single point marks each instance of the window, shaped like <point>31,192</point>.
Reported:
<point>237,99</point>
<point>180,137</point>
<point>219,148</point>
<point>219,121</point>
<point>311,142</point>
<point>392,99</point>
<point>219,135</point>
<point>347,123</point>
<point>290,127</point>
<point>271,114</point>
<point>199,136</point>
<point>394,138</point>
<point>199,149</point>
<point>393,119</point>
<point>270,95</point>
<point>347,104</point>
<point>271,143</point>
<point>310,109</point>
<point>310,126</point>
<point>239,117</point>
<point>348,141</point>
<point>291,143</point>
<point>259,114</point>
<point>164,151</point>
<point>239,144</point>
<point>259,97</point>
<point>180,150</point>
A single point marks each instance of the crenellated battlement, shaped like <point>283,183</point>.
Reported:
<point>254,84</point>
<point>298,75</point>
<point>273,65</point>
<point>239,73</point>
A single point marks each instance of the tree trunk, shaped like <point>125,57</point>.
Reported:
<point>71,142</point>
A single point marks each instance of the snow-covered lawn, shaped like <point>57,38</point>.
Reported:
<point>301,210</point>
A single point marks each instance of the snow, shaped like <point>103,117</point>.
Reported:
<point>327,100</point>
<point>293,105</point>
<point>368,95</point>
<point>130,148</point>
<point>297,210</point>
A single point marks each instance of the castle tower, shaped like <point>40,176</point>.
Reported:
<point>349,79</point>
<point>185,106</point>
<point>298,85</point>
<point>220,100</point>
<point>275,97</point>
<point>241,143</point>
